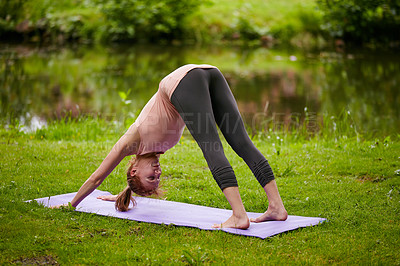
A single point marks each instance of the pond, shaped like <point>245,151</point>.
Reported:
<point>275,89</point>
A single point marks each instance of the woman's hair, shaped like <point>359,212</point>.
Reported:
<point>134,185</point>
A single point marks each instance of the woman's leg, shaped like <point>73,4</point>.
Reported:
<point>231,124</point>
<point>192,100</point>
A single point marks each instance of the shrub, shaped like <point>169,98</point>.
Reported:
<point>146,19</point>
<point>362,21</point>
<point>46,20</point>
<point>91,20</point>
<point>10,12</point>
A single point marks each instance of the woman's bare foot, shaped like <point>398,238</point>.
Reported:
<point>234,222</point>
<point>272,214</point>
<point>276,210</point>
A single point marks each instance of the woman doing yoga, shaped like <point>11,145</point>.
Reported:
<point>199,97</point>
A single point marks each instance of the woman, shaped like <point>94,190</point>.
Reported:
<point>199,97</point>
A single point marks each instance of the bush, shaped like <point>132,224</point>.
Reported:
<point>49,21</point>
<point>146,19</point>
<point>10,12</point>
<point>362,21</point>
<point>91,20</point>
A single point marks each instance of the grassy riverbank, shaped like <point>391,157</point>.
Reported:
<point>353,183</point>
<point>304,23</point>
<point>278,21</point>
<point>159,22</point>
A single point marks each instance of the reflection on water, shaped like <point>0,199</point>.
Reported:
<point>273,88</point>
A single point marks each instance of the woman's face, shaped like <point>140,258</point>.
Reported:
<point>148,170</point>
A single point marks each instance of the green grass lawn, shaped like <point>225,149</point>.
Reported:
<point>354,184</point>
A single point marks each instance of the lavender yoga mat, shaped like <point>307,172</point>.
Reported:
<point>181,214</point>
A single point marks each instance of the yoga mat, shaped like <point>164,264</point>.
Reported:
<point>182,214</point>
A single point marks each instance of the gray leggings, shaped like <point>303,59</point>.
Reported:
<point>204,99</point>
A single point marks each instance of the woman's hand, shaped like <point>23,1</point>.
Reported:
<point>108,197</point>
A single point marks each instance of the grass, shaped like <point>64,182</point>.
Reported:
<point>282,19</point>
<point>224,12</point>
<point>351,182</point>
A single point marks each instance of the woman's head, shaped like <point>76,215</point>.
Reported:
<point>144,173</point>
<point>143,177</point>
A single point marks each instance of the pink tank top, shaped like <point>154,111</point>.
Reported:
<point>159,124</point>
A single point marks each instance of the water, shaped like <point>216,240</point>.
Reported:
<point>273,88</point>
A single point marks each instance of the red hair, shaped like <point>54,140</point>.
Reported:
<point>134,185</point>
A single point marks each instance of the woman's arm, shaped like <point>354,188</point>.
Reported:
<point>126,145</point>
<point>95,180</point>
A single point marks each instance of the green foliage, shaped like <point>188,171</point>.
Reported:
<point>11,8</point>
<point>94,20</point>
<point>76,24</point>
<point>246,28</point>
<point>257,21</point>
<point>289,21</point>
<point>243,25</point>
<point>51,21</point>
<point>10,11</point>
<point>362,21</point>
<point>144,19</point>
